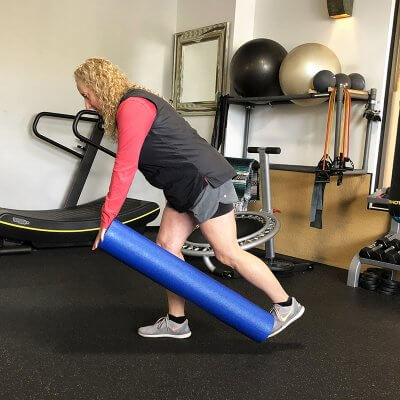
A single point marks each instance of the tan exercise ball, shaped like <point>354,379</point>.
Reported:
<point>300,66</point>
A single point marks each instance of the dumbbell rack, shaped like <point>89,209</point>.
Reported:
<point>355,265</point>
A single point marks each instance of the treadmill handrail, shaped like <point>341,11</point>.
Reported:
<point>79,118</point>
<point>52,141</point>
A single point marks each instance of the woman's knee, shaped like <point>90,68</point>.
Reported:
<point>228,256</point>
<point>169,245</point>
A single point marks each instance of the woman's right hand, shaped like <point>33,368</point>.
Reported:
<point>99,238</point>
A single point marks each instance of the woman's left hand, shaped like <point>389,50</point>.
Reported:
<point>99,238</point>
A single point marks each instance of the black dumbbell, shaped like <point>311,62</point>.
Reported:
<point>393,257</point>
<point>387,290</point>
<point>387,283</point>
<point>390,254</point>
<point>375,250</point>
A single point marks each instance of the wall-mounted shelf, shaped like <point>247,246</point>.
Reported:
<point>221,118</point>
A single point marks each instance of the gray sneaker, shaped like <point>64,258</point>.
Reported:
<point>164,327</point>
<point>284,316</point>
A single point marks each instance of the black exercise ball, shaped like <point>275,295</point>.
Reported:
<point>343,79</point>
<point>323,80</point>
<point>254,68</point>
<point>357,81</point>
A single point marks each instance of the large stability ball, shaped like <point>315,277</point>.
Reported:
<point>254,68</point>
<point>301,65</point>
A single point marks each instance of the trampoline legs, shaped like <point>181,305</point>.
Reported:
<point>224,273</point>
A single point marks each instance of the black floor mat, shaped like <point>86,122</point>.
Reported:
<point>67,331</point>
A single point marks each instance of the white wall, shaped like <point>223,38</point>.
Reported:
<point>194,14</point>
<point>361,44</point>
<point>42,41</point>
<point>243,31</point>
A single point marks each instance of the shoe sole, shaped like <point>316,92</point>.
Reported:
<point>184,336</point>
<point>289,323</point>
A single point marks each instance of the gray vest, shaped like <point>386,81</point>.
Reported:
<point>176,159</point>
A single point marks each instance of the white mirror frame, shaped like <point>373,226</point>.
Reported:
<point>217,32</point>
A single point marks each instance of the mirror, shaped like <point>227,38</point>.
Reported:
<point>200,69</point>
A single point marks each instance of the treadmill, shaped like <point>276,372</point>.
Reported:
<point>72,225</point>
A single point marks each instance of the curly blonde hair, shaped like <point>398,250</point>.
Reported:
<point>109,84</point>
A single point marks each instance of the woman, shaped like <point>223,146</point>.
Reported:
<point>195,178</point>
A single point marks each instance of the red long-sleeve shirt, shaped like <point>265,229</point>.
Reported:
<point>135,117</point>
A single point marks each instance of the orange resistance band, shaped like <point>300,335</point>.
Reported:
<point>344,144</point>
<point>331,107</point>
<point>348,123</point>
<point>345,129</point>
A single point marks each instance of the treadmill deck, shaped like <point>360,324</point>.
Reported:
<point>70,226</point>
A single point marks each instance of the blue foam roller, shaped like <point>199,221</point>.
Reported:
<point>179,277</point>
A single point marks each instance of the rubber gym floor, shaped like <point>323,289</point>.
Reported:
<point>67,331</point>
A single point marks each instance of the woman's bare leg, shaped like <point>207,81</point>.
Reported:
<point>221,234</point>
<point>175,228</point>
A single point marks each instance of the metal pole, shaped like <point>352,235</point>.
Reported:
<point>85,166</point>
<point>266,197</point>
<point>368,134</point>
<point>225,108</point>
<point>246,131</point>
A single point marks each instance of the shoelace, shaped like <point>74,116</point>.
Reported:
<point>275,310</point>
<point>160,322</point>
